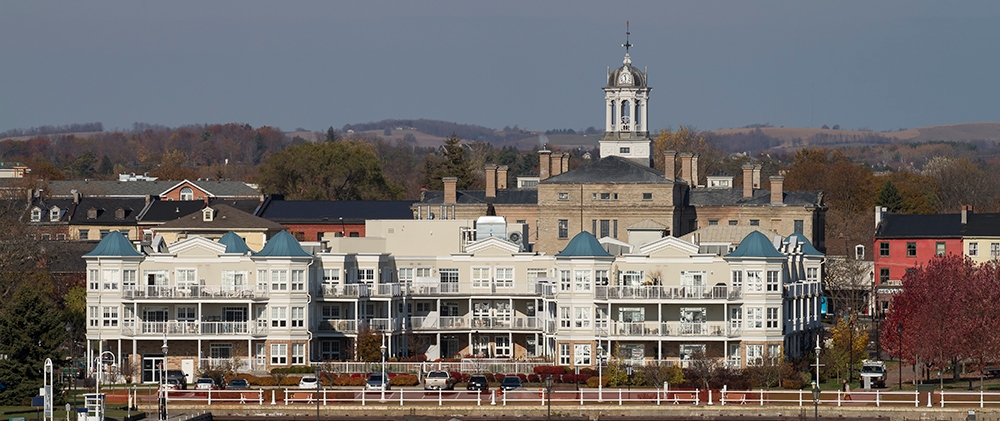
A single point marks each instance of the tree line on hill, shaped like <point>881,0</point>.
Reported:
<point>47,130</point>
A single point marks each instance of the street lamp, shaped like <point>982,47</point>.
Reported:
<point>385,381</point>
<point>548,395</point>
<point>628,371</point>
<point>600,373</point>
<point>815,400</point>
<point>163,381</point>
<point>99,361</point>
<point>319,386</point>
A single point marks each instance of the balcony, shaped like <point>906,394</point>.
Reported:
<point>388,290</point>
<point>343,291</point>
<point>194,328</point>
<point>338,326</point>
<point>657,292</point>
<point>430,287</point>
<point>671,329</point>
<point>476,323</point>
<point>192,292</point>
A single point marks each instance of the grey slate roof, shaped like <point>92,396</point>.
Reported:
<point>807,247</point>
<point>610,169</point>
<point>329,211</point>
<point>734,197</point>
<point>219,188</point>
<point>755,245</point>
<point>114,244</point>
<point>45,204</point>
<point>920,226</point>
<point>509,196</point>
<point>168,210</point>
<point>584,244</point>
<point>282,245</point>
<point>106,207</point>
<point>982,224</point>
<point>234,243</point>
<point>226,218</point>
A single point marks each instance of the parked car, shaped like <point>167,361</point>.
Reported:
<point>179,376</point>
<point>874,370</point>
<point>478,383</point>
<point>511,383</point>
<point>376,382</point>
<point>204,383</point>
<point>439,380</point>
<point>238,384</point>
<point>309,382</point>
<point>172,384</point>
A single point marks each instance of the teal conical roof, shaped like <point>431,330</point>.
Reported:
<point>584,244</point>
<point>283,245</point>
<point>807,247</point>
<point>755,244</point>
<point>234,243</point>
<point>114,244</point>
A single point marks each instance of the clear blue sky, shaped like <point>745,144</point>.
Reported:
<point>540,65</point>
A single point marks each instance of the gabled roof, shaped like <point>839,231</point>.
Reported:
<point>920,226</point>
<point>114,244</point>
<point>671,243</point>
<point>584,244</point>
<point>755,245</point>
<point>646,225</point>
<point>610,169</point>
<point>46,204</point>
<point>504,197</point>
<point>226,218</point>
<point>100,188</point>
<point>734,197</point>
<point>807,247</point>
<point>982,225</point>
<point>234,243</point>
<point>729,234</point>
<point>330,211</point>
<point>106,207</point>
<point>282,245</point>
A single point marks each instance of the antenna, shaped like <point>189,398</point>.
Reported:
<point>626,44</point>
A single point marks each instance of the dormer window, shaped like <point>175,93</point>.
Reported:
<point>36,214</point>
<point>207,214</point>
<point>92,213</point>
<point>54,214</point>
<point>119,214</point>
<point>187,193</point>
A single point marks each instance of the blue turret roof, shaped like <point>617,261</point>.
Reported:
<point>114,244</point>
<point>282,245</point>
<point>807,247</point>
<point>755,244</point>
<point>234,243</point>
<point>584,244</point>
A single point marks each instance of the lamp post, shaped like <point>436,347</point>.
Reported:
<point>319,387</point>
<point>850,349</point>
<point>899,331</point>
<point>548,396</point>
<point>385,382</point>
<point>163,381</point>
<point>72,361</point>
<point>99,361</point>
<point>815,392</point>
<point>628,372</point>
<point>600,373</point>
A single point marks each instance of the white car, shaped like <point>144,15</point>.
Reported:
<point>204,383</point>
<point>376,382</point>
<point>309,382</point>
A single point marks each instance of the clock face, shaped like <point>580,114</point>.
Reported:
<point>625,78</point>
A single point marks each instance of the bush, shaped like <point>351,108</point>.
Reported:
<point>352,380</point>
<point>404,380</point>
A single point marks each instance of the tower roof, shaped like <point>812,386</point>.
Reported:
<point>755,245</point>
<point>584,244</point>
<point>114,244</point>
<point>282,245</point>
<point>234,243</point>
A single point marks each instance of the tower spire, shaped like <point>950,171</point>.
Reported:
<point>626,44</point>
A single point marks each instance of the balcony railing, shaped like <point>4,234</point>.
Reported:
<point>194,328</point>
<point>429,288</point>
<point>192,292</point>
<point>658,292</point>
<point>671,329</point>
<point>344,290</point>
<point>338,325</point>
<point>476,323</point>
<point>389,290</point>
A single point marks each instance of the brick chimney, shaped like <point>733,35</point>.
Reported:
<point>694,170</point>
<point>491,181</point>
<point>966,210</point>
<point>555,168</point>
<point>777,194</point>
<point>756,176</point>
<point>502,177</point>
<point>748,184</point>
<point>686,167</point>
<point>450,193</point>
<point>543,164</point>
<point>565,162</point>
<point>669,164</point>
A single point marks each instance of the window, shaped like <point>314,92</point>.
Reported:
<point>54,214</point>
<point>755,318</point>
<point>329,350</point>
<point>581,281</point>
<point>45,236</point>
<point>234,280</point>
<point>563,196</point>
<point>366,276</point>
<point>812,274</point>
<point>564,354</point>
<point>647,196</point>
<point>279,280</point>
<point>279,354</point>
<point>185,277</point>
<point>448,275</point>
<point>425,307</point>
<point>94,320</point>
<point>632,278</point>
<point>60,236</point>
<point>605,228</point>
<point>624,149</point>
<point>298,353</point>
<point>798,225</point>
<point>581,354</point>
<point>883,249</point>
<point>774,353</point>
<point>84,234</point>
<point>733,223</point>
<point>480,277</point>
<point>939,248</point>
<point>564,280</point>
<point>298,280</point>
<point>754,283</point>
<point>186,314</point>
<point>911,249</point>
<point>298,316</point>
<point>712,222</point>
<point>772,281</point>
<point>755,222</point>
<point>883,275</point>
<point>109,279</point>
<point>994,250</point>
<point>737,279</point>
<point>36,215</point>
<point>92,213</point>
<point>104,233</point>
<point>187,193</point>
<point>581,317</point>
<point>129,277</point>
<point>973,249</point>
<point>563,228</point>
<point>220,351</point>
<point>601,277</point>
<point>736,319</point>
<point>564,320</point>
<point>755,355</point>
<point>772,317</point>
<point>504,277</point>
<point>331,276</point>
<point>119,214</point>
<point>501,345</point>
<point>279,316</point>
<point>405,275</point>
<point>110,316</point>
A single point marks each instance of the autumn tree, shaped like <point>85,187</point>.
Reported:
<point>175,165</point>
<point>687,139</point>
<point>849,342</point>
<point>962,182</point>
<point>345,170</point>
<point>918,193</point>
<point>369,343</point>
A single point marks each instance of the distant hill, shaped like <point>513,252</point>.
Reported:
<point>791,137</point>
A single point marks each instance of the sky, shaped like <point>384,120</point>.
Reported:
<point>882,65</point>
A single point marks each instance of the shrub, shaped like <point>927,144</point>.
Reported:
<point>353,380</point>
<point>534,378</point>
<point>404,380</point>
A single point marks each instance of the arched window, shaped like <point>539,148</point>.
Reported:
<point>613,114</point>
<point>638,113</point>
<point>626,116</point>
<point>187,193</point>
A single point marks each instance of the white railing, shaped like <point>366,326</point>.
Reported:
<point>658,292</point>
<point>344,290</point>
<point>193,328</point>
<point>389,290</point>
<point>661,329</point>
<point>338,325</point>
<point>192,292</point>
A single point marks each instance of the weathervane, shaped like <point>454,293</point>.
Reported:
<point>626,44</point>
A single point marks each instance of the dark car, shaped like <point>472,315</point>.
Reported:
<point>511,383</point>
<point>238,384</point>
<point>478,383</point>
<point>179,376</point>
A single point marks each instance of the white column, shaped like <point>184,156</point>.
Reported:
<point>609,114</point>
<point>645,123</point>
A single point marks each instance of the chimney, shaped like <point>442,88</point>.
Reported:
<point>748,183</point>
<point>450,195</point>
<point>555,167</point>
<point>880,213</point>
<point>694,170</point>
<point>756,176</point>
<point>669,164</point>
<point>966,210</point>
<point>502,177</point>
<point>491,181</point>
<point>686,167</point>
<point>543,164</point>
<point>76,197</point>
<point>777,195</point>
<point>565,162</point>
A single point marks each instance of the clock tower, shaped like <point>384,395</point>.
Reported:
<point>626,133</point>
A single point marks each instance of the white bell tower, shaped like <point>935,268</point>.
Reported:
<point>626,133</point>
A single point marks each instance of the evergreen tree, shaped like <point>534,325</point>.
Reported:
<point>31,330</point>
<point>455,164</point>
<point>331,135</point>
<point>889,197</point>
